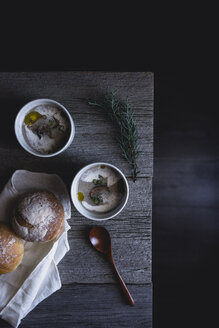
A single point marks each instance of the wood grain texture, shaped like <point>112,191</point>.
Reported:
<point>131,239</point>
<point>72,89</point>
<point>102,306</point>
<point>95,140</point>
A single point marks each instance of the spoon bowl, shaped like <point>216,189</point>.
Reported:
<point>101,240</point>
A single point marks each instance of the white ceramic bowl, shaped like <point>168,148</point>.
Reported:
<point>93,215</point>
<point>18,126</point>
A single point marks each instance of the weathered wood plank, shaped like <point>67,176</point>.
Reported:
<point>84,264</point>
<point>139,204</point>
<point>71,89</point>
<point>75,84</point>
<point>134,220</point>
<point>94,133</point>
<point>90,306</point>
<point>131,236</point>
<point>131,230</point>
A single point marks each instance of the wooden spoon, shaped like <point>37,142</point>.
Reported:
<point>100,239</point>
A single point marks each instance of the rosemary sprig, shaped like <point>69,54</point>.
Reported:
<point>121,114</point>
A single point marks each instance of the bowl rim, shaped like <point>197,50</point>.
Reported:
<point>77,177</point>
<point>36,102</point>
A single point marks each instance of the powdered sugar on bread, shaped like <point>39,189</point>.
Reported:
<point>38,216</point>
<point>36,210</point>
<point>11,249</point>
<point>5,245</point>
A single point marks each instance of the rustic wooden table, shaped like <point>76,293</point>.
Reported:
<point>90,295</point>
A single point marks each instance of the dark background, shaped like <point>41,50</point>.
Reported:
<point>185,199</point>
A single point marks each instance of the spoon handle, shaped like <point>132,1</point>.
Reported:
<point>123,285</point>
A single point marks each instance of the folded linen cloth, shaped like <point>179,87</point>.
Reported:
<point>37,276</point>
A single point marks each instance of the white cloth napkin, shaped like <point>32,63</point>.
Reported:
<point>37,276</point>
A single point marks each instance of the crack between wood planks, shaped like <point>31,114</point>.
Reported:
<point>149,284</point>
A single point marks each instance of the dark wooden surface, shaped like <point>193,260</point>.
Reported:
<point>83,306</point>
<point>87,298</point>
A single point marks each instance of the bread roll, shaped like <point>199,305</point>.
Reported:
<point>38,217</point>
<point>11,249</point>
